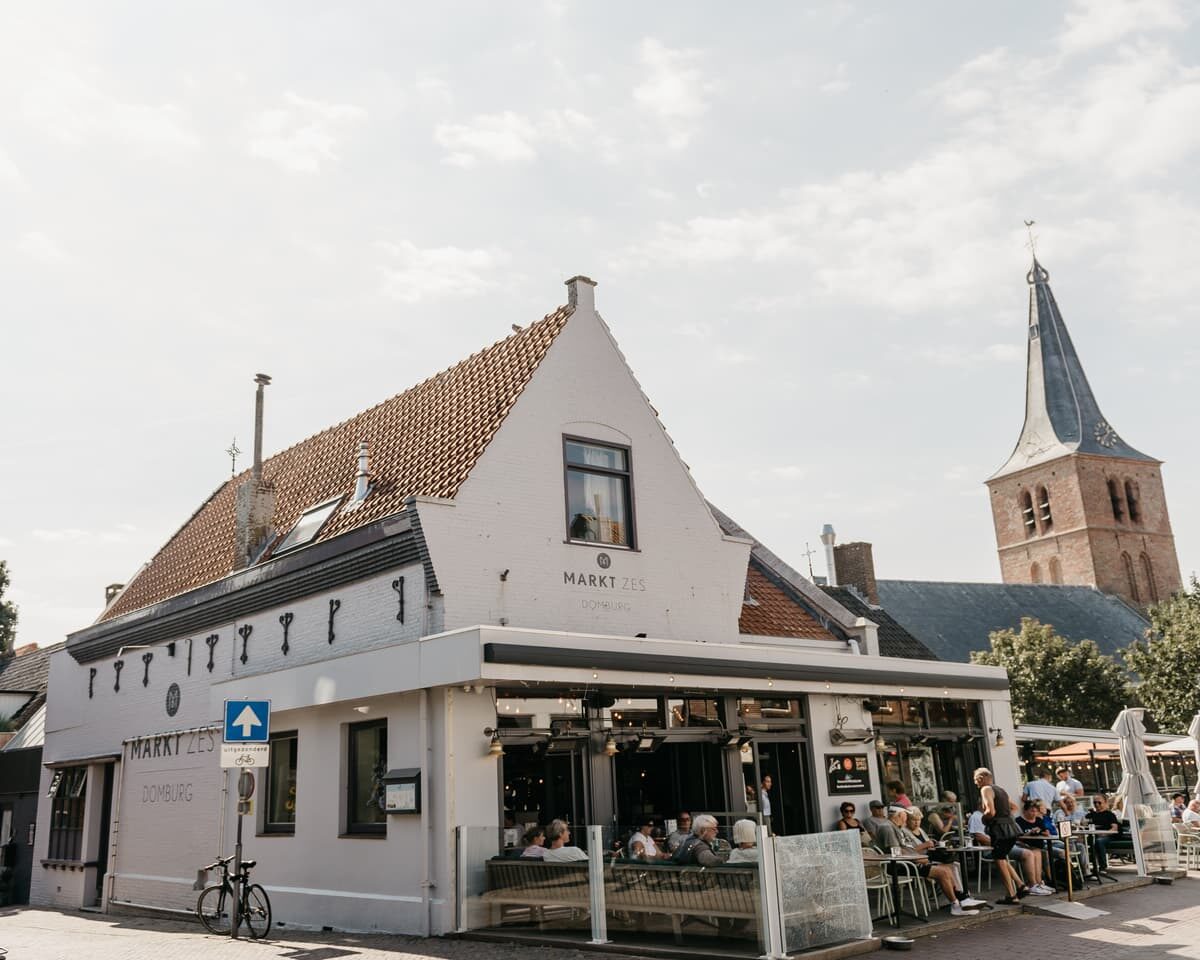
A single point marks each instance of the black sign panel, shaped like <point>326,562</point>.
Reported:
<point>847,773</point>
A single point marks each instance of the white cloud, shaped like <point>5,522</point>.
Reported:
<point>673,90</point>
<point>118,534</point>
<point>6,542</point>
<point>838,83</point>
<point>1006,352</point>
<point>1095,23</point>
<point>789,472</point>
<point>303,135</point>
<point>413,274</point>
<point>40,247</point>
<point>61,535</point>
<point>510,137</point>
<point>10,173</point>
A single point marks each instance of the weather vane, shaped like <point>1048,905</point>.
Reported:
<point>1032,244</point>
<point>233,451</point>
<point>808,552</point>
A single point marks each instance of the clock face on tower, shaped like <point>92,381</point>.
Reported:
<point>1105,435</point>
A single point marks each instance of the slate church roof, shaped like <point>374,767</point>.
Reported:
<point>894,639</point>
<point>953,619</point>
<point>1061,412</point>
<point>424,442</point>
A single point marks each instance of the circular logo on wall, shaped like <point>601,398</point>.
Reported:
<point>603,561</point>
<point>173,699</point>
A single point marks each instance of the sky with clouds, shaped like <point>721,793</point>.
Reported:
<point>805,220</point>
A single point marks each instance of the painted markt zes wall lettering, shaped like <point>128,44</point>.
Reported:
<point>615,585</point>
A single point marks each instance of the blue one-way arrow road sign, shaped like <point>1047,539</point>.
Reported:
<point>247,721</point>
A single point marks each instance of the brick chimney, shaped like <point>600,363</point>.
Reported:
<point>111,592</point>
<point>256,496</point>
<point>856,568</point>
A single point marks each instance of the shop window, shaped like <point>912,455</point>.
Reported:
<point>1035,573</point>
<point>635,712</point>
<point>1055,570</point>
<point>770,714</point>
<point>1027,514</point>
<point>951,713</point>
<point>1134,501</point>
<point>281,784</point>
<point>1043,504</point>
<point>1148,575</point>
<point>599,501</point>
<point>68,797</point>
<point>897,713</point>
<point>367,765</point>
<point>1114,497</point>
<point>1131,577</point>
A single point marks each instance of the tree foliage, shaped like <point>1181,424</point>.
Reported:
<point>1054,681</point>
<point>8,614</point>
<point>1168,660</point>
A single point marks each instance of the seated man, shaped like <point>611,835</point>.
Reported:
<point>1029,859</point>
<point>1106,825</point>
<point>945,875</point>
<point>682,831</point>
<point>701,847</point>
<point>558,839</point>
<point>641,845</point>
<point>1069,811</point>
<point>876,819</point>
<point>1178,805</point>
<point>1191,816</point>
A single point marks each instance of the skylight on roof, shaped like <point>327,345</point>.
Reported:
<point>308,526</point>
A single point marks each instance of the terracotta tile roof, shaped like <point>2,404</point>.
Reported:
<point>774,613</point>
<point>424,442</point>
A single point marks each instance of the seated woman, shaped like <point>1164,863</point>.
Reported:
<point>534,843</point>
<point>943,819</point>
<point>745,844</point>
<point>913,825</point>
<point>848,821</point>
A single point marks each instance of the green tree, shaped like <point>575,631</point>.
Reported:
<point>8,614</point>
<point>1168,660</point>
<point>1054,681</point>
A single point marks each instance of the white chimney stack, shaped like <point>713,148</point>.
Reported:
<point>581,293</point>
<point>362,485</point>
<point>829,538</point>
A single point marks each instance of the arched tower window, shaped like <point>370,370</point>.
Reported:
<point>1043,506</point>
<point>1127,564</point>
<point>1148,573</point>
<point>1027,515</point>
<point>1133,501</point>
<point>1055,570</point>
<point>1118,504</point>
<point>1035,573</point>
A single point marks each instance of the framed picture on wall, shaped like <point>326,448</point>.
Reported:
<point>922,780</point>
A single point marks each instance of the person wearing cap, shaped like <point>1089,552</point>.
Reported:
<point>745,844</point>
<point>1067,783</point>
<point>945,875</point>
<point>877,818</point>
<point>642,845</point>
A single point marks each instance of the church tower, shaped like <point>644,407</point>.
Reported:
<point>1075,503</point>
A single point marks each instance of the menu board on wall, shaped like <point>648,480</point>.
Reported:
<point>847,773</point>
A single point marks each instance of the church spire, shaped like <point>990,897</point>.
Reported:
<point>1061,412</point>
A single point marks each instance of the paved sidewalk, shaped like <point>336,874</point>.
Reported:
<point>35,934</point>
<point>1145,923</point>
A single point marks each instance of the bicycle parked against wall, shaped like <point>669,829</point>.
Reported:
<point>216,906</point>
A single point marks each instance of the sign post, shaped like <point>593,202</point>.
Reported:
<point>245,746</point>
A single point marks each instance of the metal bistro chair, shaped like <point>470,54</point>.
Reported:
<point>1188,844</point>
<point>879,882</point>
<point>910,880</point>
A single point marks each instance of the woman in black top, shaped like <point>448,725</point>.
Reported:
<point>848,821</point>
<point>1002,830</point>
<point>1107,826</point>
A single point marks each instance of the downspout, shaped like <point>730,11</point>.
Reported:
<point>426,813</point>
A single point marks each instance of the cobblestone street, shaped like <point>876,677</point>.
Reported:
<point>1142,924</point>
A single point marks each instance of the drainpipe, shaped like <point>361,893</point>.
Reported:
<point>427,883</point>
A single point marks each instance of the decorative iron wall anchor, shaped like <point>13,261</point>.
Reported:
<point>286,622</point>
<point>118,665</point>
<point>211,640</point>
<point>244,632</point>
<point>91,680</point>
<point>334,607</point>
<point>189,656</point>
<point>398,586</point>
<point>146,658</point>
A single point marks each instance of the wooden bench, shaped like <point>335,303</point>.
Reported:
<point>538,890</point>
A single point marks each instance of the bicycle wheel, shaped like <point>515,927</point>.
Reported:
<point>212,908</point>
<point>256,911</point>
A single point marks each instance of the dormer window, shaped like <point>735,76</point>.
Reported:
<point>308,526</point>
<point>599,501</point>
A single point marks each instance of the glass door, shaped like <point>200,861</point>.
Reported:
<point>781,776</point>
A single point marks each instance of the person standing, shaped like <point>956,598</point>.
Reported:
<point>1067,783</point>
<point>1002,830</point>
<point>764,796</point>
<point>1040,788</point>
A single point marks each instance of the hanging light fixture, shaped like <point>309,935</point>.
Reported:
<point>610,746</point>
<point>999,735</point>
<point>495,747</point>
<point>880,743</point>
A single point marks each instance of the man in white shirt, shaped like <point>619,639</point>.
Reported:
<point>1191,816</point>
<point>642,845</point>
<point>558,838</point>
<point>1042,789</point>
<point>1067,783</point>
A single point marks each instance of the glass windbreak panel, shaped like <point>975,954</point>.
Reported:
<point>825,906</point>
<point>693,712</point>
<point>368,765</point>
<point>597,507</point>
<point>281,784</point>
<point>595,455</point>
